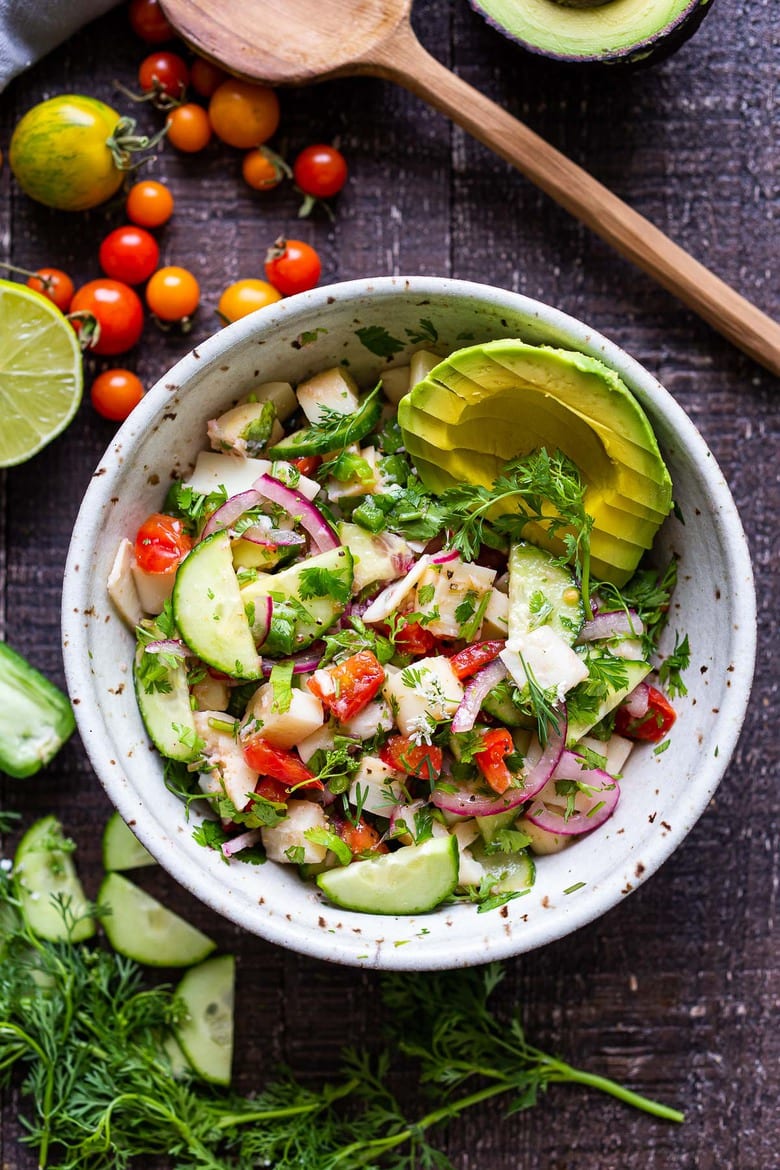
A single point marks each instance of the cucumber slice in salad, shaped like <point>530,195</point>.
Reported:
<point>316,441</point>
<point>46,882</point>
<point>166,711</point>
<point>143,929</point>
<point>121,847</point>
<point>412,881</point>
<point>206,1034</point>
<point>209,609</point>
<point>542,592</point>
<point>307,599</point>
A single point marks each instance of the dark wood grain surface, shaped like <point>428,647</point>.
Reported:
<point>676,990</point>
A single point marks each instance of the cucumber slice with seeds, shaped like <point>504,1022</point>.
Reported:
<point>143,929</point>
<point>206,1035</point>
<point>44,869</point>
<point>542,592</point>
<point>121,847</point>
<point>413,880</point>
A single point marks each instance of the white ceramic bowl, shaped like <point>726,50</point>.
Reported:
<point>662,796</point>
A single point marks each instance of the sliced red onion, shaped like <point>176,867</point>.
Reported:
<point>242,841</point>
<point>169,646</point>
<point>404,813</point>
<point>638,701</point>
<point>272,537</point>
<point>322,535</point>
<point>388,599</point>
<point>540,770</point>
<point>232,509</point>
<point>467,800</point>
<point>476,691</point>
<point>591,808</point>
<point>305,662</point>
<point>619,623</point>
<point>264,630</point>
<point>444,558</point>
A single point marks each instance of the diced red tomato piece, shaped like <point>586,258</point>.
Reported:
<point>474,656</point>
<point>347,687</point>
<point>360,837</point>
<point>307,464</point>
<point>415,639</point>
<point>402,753</point>
<point>498,743</point>
<point>161,543</point>
<point>271,789</point>
<point>653,725</point>
<point>278,764</point>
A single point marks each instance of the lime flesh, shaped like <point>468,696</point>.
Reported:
<point>40,372</point>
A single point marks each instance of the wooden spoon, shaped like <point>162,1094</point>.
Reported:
<point>296,42</point>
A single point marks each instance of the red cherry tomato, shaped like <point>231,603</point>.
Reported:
<point>164,73</point>
<point>272,790</point>
<point>172,293</point>
<point>292,266</point>
<point>115,393</point>
<point>117,310</point>
<point>161,544</point>
<point>403,754</point>
<point>414,639</point>
<point>189,129</point>
<point>148,21</point>
<point>320,171</point>
<point>346,688</point>
<point>307,464</point>
<point>205,76</point>
<point>129,254</point>
<point>653,725</point>
<point>54,284</point>
<point>498,743</point>
<point>278,763</point>
<point>359,837</point>
<point>474,656</point>
<point>149,204</point>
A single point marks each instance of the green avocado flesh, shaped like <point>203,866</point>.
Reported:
<point>490,403</point>
<point>577,30</point>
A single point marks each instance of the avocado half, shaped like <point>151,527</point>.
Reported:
<point>604,31</point>
<point>487,404</point>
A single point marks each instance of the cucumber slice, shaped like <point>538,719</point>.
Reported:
<point>43,869</point>
<point>500,704</point>
<point>310,596</point>
<point>413,880</point>
<point>511,871</point>
<point>35,717</point>
<point>319,441</point>
<point>209,609</point>
<point>581,725</point>
<point>166,713</point>
<point>542,592</point>
<point>143,929</point>
<point>121,847</point>
<point>206,1035</point>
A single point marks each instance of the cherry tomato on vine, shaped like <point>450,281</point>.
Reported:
<point>189,129</point>
<point>205,76</point>
<point>161,543</point>
<point>244,297</point>
<point>172,293</point>
<point>148,21</point>
<point>164,73</point>
<point>320,171</point>
<point>149,204</point>
<point>115,393</point>
<point>54,284</point>
<point>243,114</point>
<point>263,169</point>
<point>130,254</point>
<point>292,266</point>
<point>117,310</point>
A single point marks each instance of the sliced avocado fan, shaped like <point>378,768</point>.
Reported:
<point>487,404</point>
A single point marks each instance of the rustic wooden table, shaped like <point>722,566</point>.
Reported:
<point>675,991</point>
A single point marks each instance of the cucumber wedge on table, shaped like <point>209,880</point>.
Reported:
<point>413,880</point>
<point>121,847</point>
<point>141,928</point>
<point>35,717</point>
<point>47,885</point>
<point>206,1034</point>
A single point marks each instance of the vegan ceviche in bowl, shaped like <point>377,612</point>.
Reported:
<point>399,620</point>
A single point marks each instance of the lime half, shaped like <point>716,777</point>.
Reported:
<point>40,372</point>
<point>411,881</point>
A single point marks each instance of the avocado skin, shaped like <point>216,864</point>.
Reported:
<point>446,422</point>
<point>646,51</point>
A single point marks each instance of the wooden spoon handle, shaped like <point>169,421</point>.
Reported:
<point>404,60</point>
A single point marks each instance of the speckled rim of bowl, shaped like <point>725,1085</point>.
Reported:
<point>275,904</point>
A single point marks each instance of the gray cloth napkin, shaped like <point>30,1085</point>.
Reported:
<point>31,28</point>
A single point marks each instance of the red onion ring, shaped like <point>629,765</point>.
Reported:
<point>242,841</point>
<point>591,809</point>
<point>541,771</point>
<point>476,691</point>
<point>638,701</point>
<point>272,537</point>
<point>389,598</point>
<point>169,646</point>
<point>232,509</point>
<point>305,662</point>
<point>444,558</point>
<point>612,624</point>
<point>322,535</point>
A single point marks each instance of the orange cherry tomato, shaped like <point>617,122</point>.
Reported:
<point>189,128</point>
<point>54,284</point>
<point>245,296</point>
<point>117,310</point>
<point>205,76</point>
<point>263,169</point>
<point>243,114</point>
<point>292,266</point>
<point>172,293</point>
<point>403,754</point>
<point>161,544</point>
<point>115,393</point>
<point>148,21</point>
<point>149,204</point>
<point>129,253</point>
